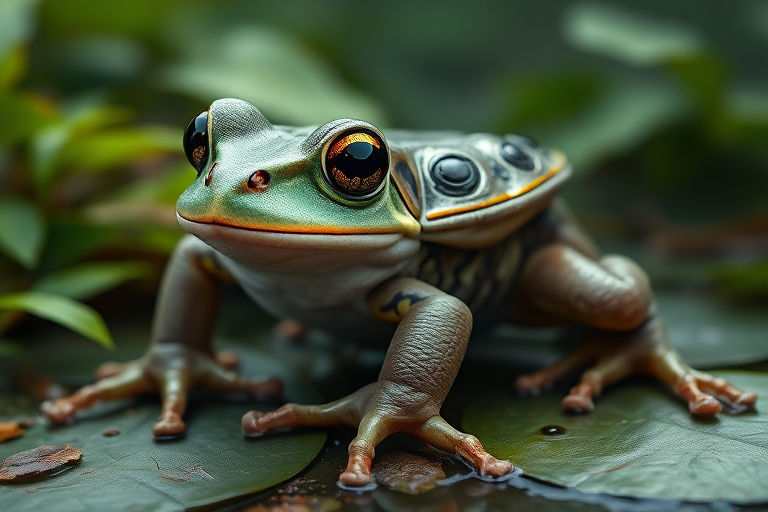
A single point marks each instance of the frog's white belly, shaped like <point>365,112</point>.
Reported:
<point>324,287</point>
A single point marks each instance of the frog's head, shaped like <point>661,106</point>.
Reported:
<point>333,180</point>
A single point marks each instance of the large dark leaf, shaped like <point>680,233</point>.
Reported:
<point>214,462</point>
<point>639,441</point>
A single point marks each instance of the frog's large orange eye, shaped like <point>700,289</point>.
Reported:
<point>356,164</point>
<point>196,145</point>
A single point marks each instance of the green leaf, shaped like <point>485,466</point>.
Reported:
<point>283,79</point>
<point>79,119</point>
<point>86,281</point>
<point>62,310</point>
<point>22,231</point>
<point>119,146</point>
<point>551,98</point>
<point>624,115</point>
<point>640,441</point>
<point>12,67</point>
<point>213,462</point>
<point>28,114</point>
<point>628,36</point>
<point>17,19</point>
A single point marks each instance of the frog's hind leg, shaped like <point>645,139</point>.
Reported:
<point>611,294</point>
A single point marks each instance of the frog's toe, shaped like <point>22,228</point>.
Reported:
<point>705,394</point>
<point>130,382</point>
<point>170,424</point>
<point>339,412</point>
<point>58,411</point>
<point>725,392</point>
<point>533,384</point>
<point>578,403</point>
<point>440,434</point>
<point>262,388</point>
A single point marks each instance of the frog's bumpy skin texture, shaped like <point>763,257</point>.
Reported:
<point>412,264</point>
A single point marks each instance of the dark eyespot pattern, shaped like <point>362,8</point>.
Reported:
<point>517,156</point>
<point>455,176</point>
<point>196,145</point>
<point>356,164</point>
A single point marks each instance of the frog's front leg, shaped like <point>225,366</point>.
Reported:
<point>180,357</point>
<point>421,364</point>
<point>613,295</point>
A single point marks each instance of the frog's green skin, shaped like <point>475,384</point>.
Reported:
<point>406,262</point>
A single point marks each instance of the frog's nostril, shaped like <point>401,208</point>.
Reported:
<point>259,181</point>
<point>209,176</point>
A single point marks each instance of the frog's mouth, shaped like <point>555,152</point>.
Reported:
<point>227,238</point>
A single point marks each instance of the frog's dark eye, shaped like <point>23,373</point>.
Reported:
<point>196,145</point>
<point>517,156</point>
<point>356,164</point>
<point>455,176</point>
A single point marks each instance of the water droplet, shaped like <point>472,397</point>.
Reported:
<point>552,430</point>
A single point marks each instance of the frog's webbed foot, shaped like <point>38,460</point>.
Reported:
<point>171,370</point>
<point>612,295</point>
<point>377,411</point>
<point>611,357</point>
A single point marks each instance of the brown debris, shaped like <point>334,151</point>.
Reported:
<point>111,432</point>
<point>38,463</point>
<point>27,423</point>
<point>10,430</point>
<point>407,472</point>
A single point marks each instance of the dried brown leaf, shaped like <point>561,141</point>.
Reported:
<point>38,463</point>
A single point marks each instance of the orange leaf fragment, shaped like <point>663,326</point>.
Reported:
<point>10,430</point>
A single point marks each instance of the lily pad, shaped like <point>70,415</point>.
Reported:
<point>212,463</point>
<point>640,441</point>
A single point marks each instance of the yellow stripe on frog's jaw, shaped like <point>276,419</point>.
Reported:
<point>305,230</point>
<point>559,166</point>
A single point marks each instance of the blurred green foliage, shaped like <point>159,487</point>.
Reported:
<point>661,107</point>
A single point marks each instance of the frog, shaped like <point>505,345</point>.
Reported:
<point>408,239</point>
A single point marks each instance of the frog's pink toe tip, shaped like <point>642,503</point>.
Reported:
<point>169,427</point>
<point>748,400</point>
<point>528,385</point>
<point>578,404</point>
<point>250,423</point>
<point>352,479</point>
<point>58,411</point>
<point>496,468</point>
<point>706,405</point>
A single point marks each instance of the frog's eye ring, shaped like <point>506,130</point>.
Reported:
<point>196,145</point>
<point>455,176</point>
<point>517,156</point>
<point>356,164</point>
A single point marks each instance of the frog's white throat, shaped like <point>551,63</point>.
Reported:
<point>300,253</point>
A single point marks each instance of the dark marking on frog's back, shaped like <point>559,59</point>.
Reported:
<point>479,277</point>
